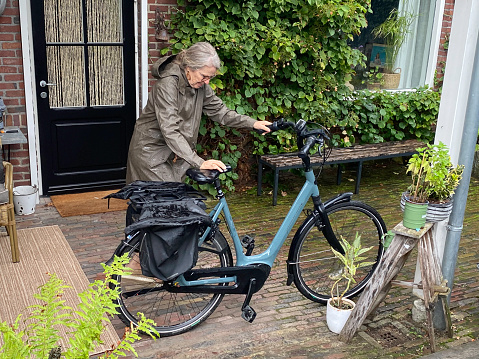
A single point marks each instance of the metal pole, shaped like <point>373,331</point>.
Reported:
<point>466,158</point>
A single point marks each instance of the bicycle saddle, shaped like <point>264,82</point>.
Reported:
<point>205,176</point>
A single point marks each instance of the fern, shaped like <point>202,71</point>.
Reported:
<point>41,337</point>
<point>41,332</point>
<point>14,346</point>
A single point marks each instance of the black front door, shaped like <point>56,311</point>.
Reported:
<point>85,88</point>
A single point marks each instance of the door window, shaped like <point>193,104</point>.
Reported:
<point>84,53</point>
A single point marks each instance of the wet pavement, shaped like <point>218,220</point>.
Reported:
<point>288,325</point>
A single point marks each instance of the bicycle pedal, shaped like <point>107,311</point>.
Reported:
<point>248,314</point>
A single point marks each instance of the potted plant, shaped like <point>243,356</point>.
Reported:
<point>339,308</point>
<point>434,180</point>
<point>394,31</point>
<point>374,79</point>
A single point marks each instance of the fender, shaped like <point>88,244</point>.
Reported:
<point>340,198</point>
<point>130,241</point>
<point>317,215</point>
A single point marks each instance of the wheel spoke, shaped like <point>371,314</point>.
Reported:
<point>315,266</point>
<point>172,312</point>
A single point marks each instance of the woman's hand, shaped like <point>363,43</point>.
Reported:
<point>213,165</point>
<point>261,125</point>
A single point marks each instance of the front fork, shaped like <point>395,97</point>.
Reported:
<point>322,220</point>
<point>323,224</point>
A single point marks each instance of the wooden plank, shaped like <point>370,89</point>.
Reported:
<point>391,276</point>
<point>348,154</point>
<point>432,282</point>
<point>428,281</point>
<point>399,247</point>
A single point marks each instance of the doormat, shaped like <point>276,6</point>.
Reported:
<point>77,204</point>
<point>43,250</point>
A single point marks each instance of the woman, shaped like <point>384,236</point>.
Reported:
<point>163,144</point>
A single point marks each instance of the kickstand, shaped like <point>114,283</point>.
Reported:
<point>248,313</point>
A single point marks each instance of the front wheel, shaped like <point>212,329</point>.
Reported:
<point>173,313</point>
<point>315,267</point>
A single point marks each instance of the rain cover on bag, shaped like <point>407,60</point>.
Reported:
<point>170,216</point>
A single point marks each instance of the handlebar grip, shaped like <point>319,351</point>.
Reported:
<point>310,141</point>
<point>275,126</point>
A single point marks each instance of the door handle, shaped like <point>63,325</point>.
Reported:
<point>43,83</point>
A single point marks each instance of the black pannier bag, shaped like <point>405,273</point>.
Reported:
<point>170,216</point>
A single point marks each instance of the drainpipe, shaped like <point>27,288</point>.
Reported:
<point>466,158</point>
<point>3,4</point>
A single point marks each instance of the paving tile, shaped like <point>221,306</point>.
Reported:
<point>288,325</point>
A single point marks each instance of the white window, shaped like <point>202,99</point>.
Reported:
<point>416,56</point>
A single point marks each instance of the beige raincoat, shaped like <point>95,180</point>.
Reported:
<point>163,144</point>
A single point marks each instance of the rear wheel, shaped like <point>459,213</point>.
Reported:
<point>173,313</point>
<point>316,268</point>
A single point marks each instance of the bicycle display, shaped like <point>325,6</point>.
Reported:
<point>180,304</point>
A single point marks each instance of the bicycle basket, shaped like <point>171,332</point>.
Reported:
<point>141,192</point>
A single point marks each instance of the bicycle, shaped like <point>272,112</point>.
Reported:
<point>181,304</point>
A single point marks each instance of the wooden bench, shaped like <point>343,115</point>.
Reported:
<point>355,154</point>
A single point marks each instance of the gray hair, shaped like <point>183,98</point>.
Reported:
<point>197,56</point>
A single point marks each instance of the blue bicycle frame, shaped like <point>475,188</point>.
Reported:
<point>267,257</point>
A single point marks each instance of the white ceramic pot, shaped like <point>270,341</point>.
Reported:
<point>336,318</point>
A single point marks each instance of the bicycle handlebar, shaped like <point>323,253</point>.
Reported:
<point>306,139</point>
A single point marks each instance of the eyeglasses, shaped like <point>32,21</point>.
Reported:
<point>205,77</point>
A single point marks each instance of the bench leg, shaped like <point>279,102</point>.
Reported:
<point>358,177</point>
<point>338,175</point>
<point>275,188</point>
<point>260,178</point>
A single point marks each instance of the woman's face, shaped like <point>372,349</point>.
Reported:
<point>203,75</point>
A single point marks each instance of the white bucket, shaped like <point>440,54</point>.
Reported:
<point>25,199</point>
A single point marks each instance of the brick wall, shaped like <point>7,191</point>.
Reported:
<point>167,7</point>
<point>12,88</point>
<point>444,41</point>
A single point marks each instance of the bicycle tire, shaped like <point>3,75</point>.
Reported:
<point>173,313</point>
<point>315,267</point>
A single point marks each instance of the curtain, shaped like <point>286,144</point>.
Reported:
<point>414,54</point>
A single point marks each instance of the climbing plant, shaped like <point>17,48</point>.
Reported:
<point>380,116</point>
<point>280,57</point>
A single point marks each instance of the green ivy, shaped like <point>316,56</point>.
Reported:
<point>280,58</point>
<point>291,58</point>
<point>374,117</point>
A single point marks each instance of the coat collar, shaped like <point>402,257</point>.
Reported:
<point>164,67</point>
